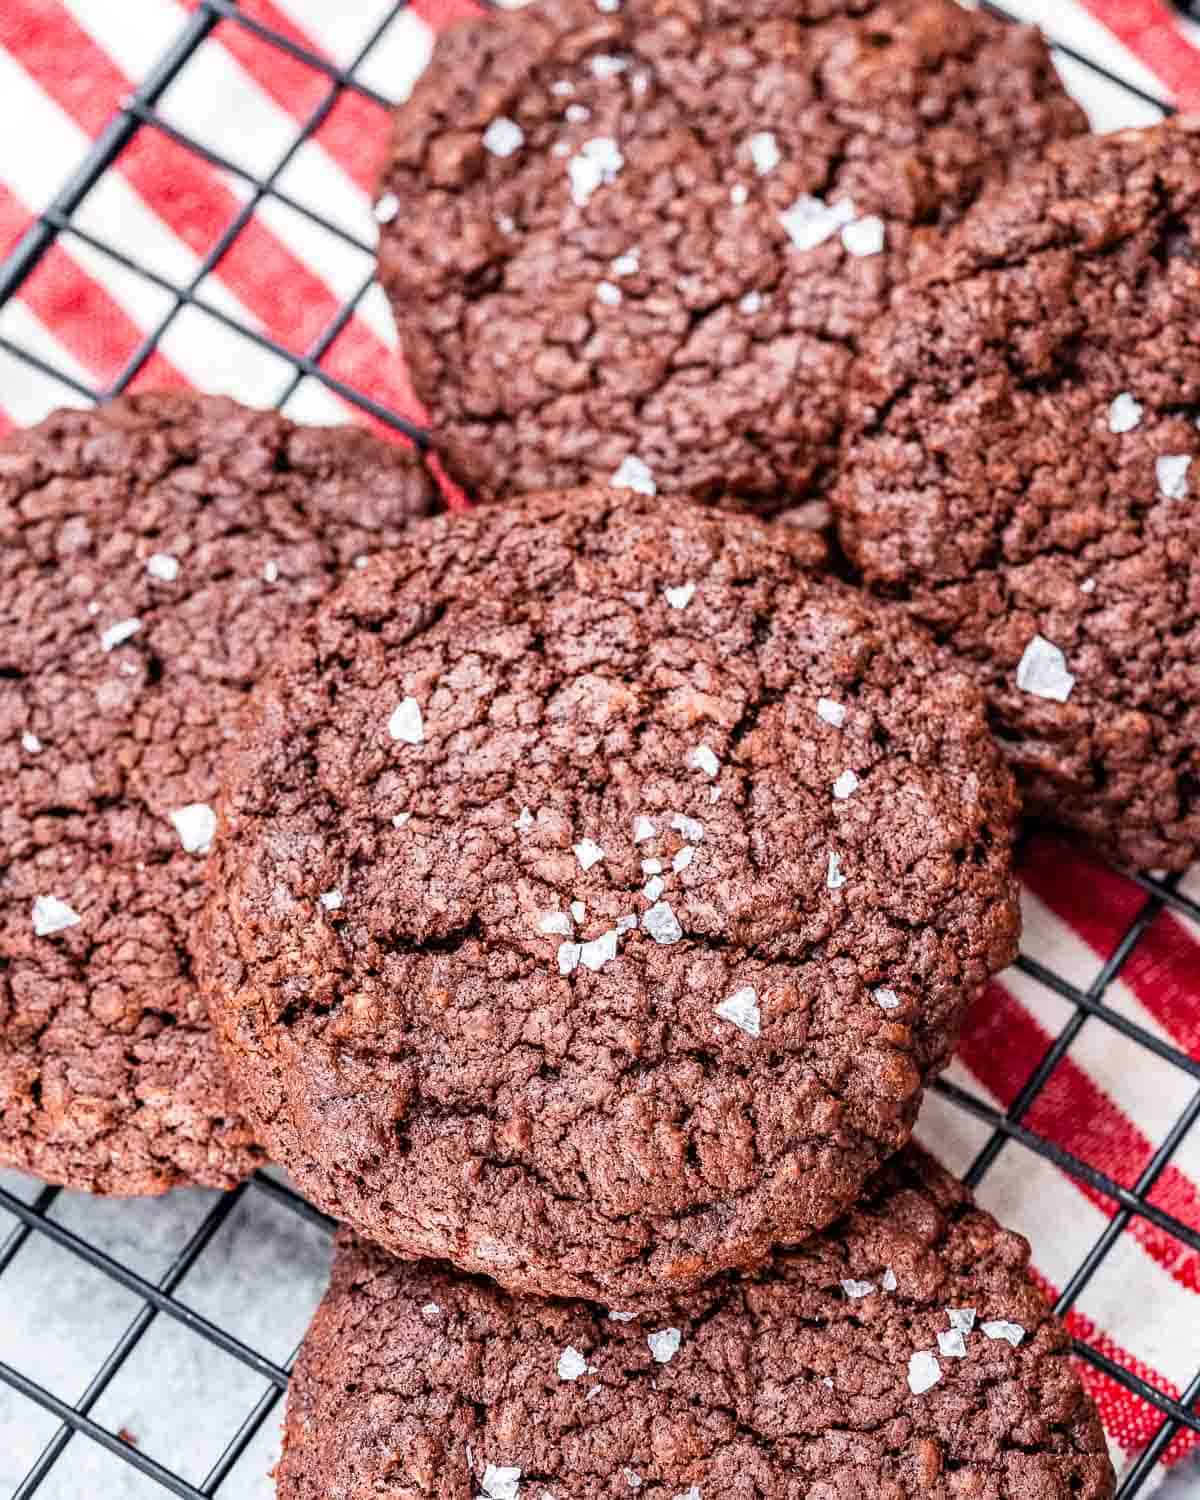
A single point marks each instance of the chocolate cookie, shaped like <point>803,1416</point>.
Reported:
<point>596,889</point>
<point>151,554</point>
<point>635,243</point>
<point>904,1354</point>
<point>1020,471</point>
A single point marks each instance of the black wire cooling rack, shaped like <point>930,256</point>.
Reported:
<point>36,1224</point>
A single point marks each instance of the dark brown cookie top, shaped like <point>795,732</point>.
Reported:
<point>597,887</point>
<point>1021,470</point>
<point>151,554</point>
<point>807,1380</point>
<point>639,240</point>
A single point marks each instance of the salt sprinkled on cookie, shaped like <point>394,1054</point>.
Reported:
<point>924,1372</point>
<point>834,878</point>
<point>865,237</point>
<point>332,900</point>
<point>406,723</point>
<point>962,1318</point>
<point>555,924</point>
<point>664,1345</point>
<point>501,1482</point>
<point>609,294</point>
<point>845,786</point>
<point>1125,413</point>
<point>503,137</point>
<point>952,1345</point>
<point>571,1364</point>
<point>523,820</point>
<point>1042,671</point>
<point>634,474</point>
<point>832,713</point>
<point>1172,473</point>
<point>689,827</point>
<point>888,1280</point>
<point>703,759</point>
<point>625,265</point>
<point>764,152</point>
<point>30,743</point>
<point>654,888</point>
<point>50,915</point>
<point>196,825</point>
<point>598,162</point>
<point>599,951</point>
<point>887,999</point>
<point>117,634</point>
<point>163,566</point>
<point>643,829</point>
<point>811,221</point>
<point>578,910</point>
<point>662,924</point>
<point>856,1290</point>
<point>681,597</point>
<point>1011,1333</point>
<point>741,1010</point>
<point>588,853</point>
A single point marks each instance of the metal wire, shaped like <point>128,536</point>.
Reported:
<point>140,112</point>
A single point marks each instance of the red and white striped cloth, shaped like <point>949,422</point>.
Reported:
<point>65,65</point>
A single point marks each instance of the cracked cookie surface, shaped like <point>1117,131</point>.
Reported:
<point>596,888</point>
<point>1023,471</point>
<point>796,1382</point>
<point>152,553</point>
<point>642,242</point>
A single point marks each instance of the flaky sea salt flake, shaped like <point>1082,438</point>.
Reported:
<point>578,910</point>
<point>597,162</point>
<point>999,1328</point>
<point>681,597</point>
<point>163,566</point>
<point>406,723</point>
<point>662,924</point>
<point>703,759</point>
<point>503,137</point>
<point>924,1372</point>
<point>688,827</point>
<point>856,1290</point>
<point>764,151</point>
<point>811,221</point>
<point>834,878</point>
<point>1042,671</point>
<point>332,900</point>
<point>634,474</point>
<point>401,819</point>
<point>741,1010</point>
<point>845,786</point>
<point>865,237</point>
<point>568,957</point>
<point>625,265</point>
<point>887,1281</point>
<point>632,1479</point>
<point>609,294</point>
<point>30,743</point>
<point>270,572</point>
<point>643,829</point>
<point>523,820</point>
<point>116,634</point>
<point>664,1344</point>
<point>50,915</point>
<point>555,924</point>
<point>952,1345</point>
<point>1125,413</point>
<point>196,825</point>
<point>738,194</point>
<point>605,66</point>
<point>961,1318</point>
<point>588,853</point>
<point>571,1364</point>
<point>1171,470</point>
<point>621,1317</point>
<point>832,713</point>
<point>887,999</point>
<point>599,951</point>
<point>683,858</point>
<point>501,1482</point>
<point>386,208</point>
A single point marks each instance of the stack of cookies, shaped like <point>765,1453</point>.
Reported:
<point>581,890</point>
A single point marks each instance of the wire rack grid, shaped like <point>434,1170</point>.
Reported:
<point>34,1218</point>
